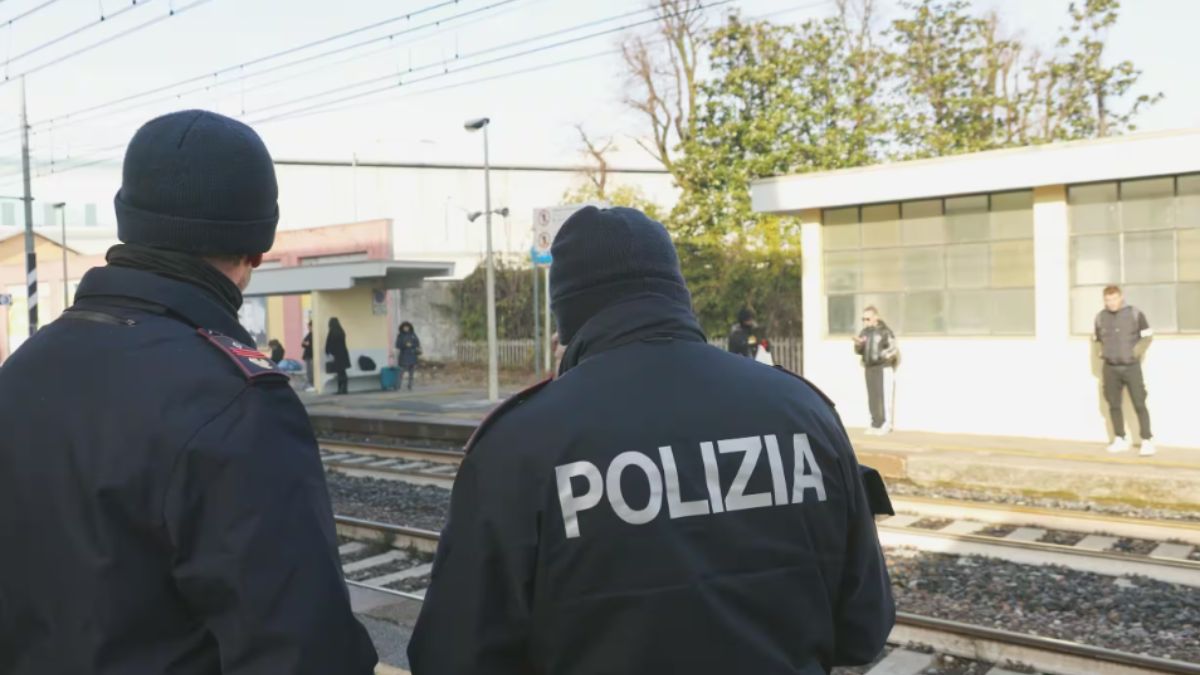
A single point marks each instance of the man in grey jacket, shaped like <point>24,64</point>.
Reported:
<point>1123,333</point>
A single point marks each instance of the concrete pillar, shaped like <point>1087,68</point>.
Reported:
<point>812,285</point>
<point>320,325</point>
<point>1052,263</point>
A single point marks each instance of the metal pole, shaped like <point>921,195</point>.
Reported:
<point>62,212</point>
<point>493,356</point>
<point>549,328</point>
<point>537,323</point>
<point>30,250</point>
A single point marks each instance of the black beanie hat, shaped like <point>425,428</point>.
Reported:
<point>198,182</point>
<point>601,256</point>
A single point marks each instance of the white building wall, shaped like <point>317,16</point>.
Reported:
<point>1047,385</point>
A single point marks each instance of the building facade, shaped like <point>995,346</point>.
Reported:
<point>990,267</point>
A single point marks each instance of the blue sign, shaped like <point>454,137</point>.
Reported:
<point>540,258</point>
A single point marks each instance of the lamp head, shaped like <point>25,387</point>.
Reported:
<point>472,216</point>
<point>476,124</point>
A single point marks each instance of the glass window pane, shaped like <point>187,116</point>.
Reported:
<point>922,222</point>
<point>840,237</point>
<point>967,218</point>
<point>1149,257</point>
<point>1096,260</point>
<point>967,266</point>
<point>1012,311</point>
<point>924,313</point>
<point>1086,302</point>
<point>1093,208</point>
<point>1189,307</point>
<point>881,225</point>
<point>846,216</point>
<point>1012,215</point>
<point>841,272</point>
<point>843,315</point>
<point>881,269</point>
<point>1189,255</point>
<point>967,313</point>
<point>1148,204</point>
<point>1157,303</point>
<point>1187,206</point>
<point>890,307</point>
<point>1012,264</point>
<point>923,268</point>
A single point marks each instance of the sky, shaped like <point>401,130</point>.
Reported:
<point>533,113</point>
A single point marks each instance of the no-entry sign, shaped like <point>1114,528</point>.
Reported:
<point>546,223</point>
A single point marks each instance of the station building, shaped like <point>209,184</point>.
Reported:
<point>990,268</point>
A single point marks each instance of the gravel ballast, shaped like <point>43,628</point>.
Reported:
<point>1132,614</point>
<point>388,501</point>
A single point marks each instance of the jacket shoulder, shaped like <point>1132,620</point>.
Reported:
<point>251,363</point>
<point>510,404</point>
<point>808,383</point>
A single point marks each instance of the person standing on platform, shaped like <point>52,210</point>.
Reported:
<point>408,352</point>
<point>164,509</point>
<point>307,347</point>
<point>1124,334</point>
<point>662,506</point>
<point>877,346</point>
<point>746,336</point>
<point>338,356</point>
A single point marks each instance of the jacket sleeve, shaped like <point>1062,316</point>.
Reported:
<point>477,612</point>
<point>865,611</point>
<point>256,557</point>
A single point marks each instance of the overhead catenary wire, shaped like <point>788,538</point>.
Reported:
<point>82,116</point>
<point>75,31</point>
<point>260,59</point>
<point>325,107</point>
<point>445,63</point>
<point>29,12</point>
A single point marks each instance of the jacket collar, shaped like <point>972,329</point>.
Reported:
<point>640,317</point>
<point>191,303</point>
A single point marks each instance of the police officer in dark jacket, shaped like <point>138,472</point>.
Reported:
<point>662,506</point>
<point>162,503</point>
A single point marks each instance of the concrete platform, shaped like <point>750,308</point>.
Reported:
<point>1031,466</point>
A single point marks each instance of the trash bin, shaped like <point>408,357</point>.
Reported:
<point>389,378</point>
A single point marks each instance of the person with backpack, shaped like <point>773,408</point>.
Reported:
<point>408,352</point>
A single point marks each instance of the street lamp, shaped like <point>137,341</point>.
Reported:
<point>493,356</point>
<point>62,218</point>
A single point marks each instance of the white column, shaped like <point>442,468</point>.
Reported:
<point>1052,264</point>
<point>812,287</point>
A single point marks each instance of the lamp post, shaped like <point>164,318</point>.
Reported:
<point>62,218</point>
<point>493,356</point>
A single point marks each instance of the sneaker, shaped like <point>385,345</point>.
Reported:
<point>1119,444</point>
<point>884,430</point>
<point>872,431</point>
<point>1148,448</point>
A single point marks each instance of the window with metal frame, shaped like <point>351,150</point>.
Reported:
<point>1144,236</point>
<point>947,266</point>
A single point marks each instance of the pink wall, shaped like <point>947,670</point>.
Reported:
<point>373,237</point>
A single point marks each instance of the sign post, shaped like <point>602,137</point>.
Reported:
<point>546,224</point>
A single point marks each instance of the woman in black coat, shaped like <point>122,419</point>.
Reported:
<point>338,357</point>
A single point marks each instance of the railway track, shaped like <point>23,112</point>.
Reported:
<point>1164,551</point>
<point>408,551</point>
<point>417,465</point>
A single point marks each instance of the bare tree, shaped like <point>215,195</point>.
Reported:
<point>662,74</point>
<point>597,152</point>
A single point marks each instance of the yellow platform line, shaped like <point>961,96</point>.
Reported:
<point>384,669</point>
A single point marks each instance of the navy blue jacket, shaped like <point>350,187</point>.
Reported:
<point>661,507</point>
<point>162,503</point>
